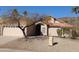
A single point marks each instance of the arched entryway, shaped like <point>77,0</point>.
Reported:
<point>38,30</point>
<point>41,29</point>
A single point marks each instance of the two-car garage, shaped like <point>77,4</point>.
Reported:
<point>12,31</point>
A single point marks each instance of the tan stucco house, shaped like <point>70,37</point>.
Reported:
<point>44,27</point>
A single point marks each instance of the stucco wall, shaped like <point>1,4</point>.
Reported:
<point>31,30</point>
<point>12,31</point>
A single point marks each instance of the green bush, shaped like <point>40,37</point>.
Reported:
<point>65,31</point>
<point>59,31</point>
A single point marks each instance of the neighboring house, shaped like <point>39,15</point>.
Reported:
<point>42,27</point>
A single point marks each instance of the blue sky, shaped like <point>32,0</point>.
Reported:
<point>54,11</point>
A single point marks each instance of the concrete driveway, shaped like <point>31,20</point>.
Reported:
<point>4,39</point>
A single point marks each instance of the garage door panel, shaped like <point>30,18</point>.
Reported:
<point>12,32</point>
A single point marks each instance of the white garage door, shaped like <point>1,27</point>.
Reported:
<point>12,31</point>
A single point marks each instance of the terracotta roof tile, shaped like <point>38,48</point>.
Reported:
<point>60,25</point>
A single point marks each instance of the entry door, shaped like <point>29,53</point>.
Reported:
<point>44,29</point>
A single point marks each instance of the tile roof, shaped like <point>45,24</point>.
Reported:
<point>27,22</point>
<point>60,25</point>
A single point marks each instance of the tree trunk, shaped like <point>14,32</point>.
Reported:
<point>23,30</point>
<point>25,36</point>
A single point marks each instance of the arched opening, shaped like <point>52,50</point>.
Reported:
<point>38,30</point>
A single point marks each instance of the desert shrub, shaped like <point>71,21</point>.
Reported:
<point>66,31</point>
<point>74,34</point>
<point>77,31</point>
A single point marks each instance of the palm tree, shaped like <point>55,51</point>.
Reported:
<point>25,13</point>
<point>75,10</point>
<point>15,13</point>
